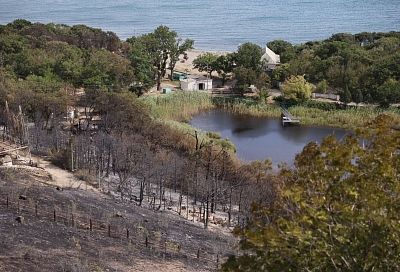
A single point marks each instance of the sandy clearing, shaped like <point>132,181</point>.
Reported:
<point>61,177</point>
<point>187,65</point>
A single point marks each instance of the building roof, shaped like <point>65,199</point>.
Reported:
<point>270,57</point>
<point>196,78</point>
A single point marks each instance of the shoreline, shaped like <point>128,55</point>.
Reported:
<point>182,106</point>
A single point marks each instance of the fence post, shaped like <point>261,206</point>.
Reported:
<point>198,253</point>
<point>147,241</point>
<point>90,224</point>
<point>127,233</point>
<point>54,215</point>
<point>217,261</point>
<point>199,220</point>
<point>7,201</point>
<point>109,230</point>
<point>72,218</point>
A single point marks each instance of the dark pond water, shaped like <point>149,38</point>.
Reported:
<point>260,138</point>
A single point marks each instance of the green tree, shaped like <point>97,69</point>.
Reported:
<point>224,65</point>
<point>143,69</point>
<point>249,56</point>
<point>263,81</point>
<point>389,92</point>
<point>297,88</point>
<point>179,49</point>
<point>206,63</point>
<point>245,77</point>
<point>281,73</point>
<point>357,96</point>
<point>322,87</point>
<point>158,46</point>
<point>283,48</point>
<point>345,96</point>
<point>103,68</point>
<point>263,95</point>
<point>338,209</point>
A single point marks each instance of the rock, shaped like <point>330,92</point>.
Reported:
<point>28,256</point>
<point>6,160</point>
<point>20,219</point>
<point>58,188</point>
<point>119,215</point>
<point>22,197</point>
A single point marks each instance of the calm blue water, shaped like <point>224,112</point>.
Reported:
<point>216,24</point>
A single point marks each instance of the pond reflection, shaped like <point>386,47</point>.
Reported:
<point>259,138</point>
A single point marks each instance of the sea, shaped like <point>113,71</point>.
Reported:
<point>220,25</point>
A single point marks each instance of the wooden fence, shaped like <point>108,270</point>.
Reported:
<point>88,225</point>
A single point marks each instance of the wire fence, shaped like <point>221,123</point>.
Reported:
<point>90,226</point>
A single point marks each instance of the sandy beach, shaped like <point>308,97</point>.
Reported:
<point>187,65</point>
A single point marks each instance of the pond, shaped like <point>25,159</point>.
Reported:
<point>259,138</point>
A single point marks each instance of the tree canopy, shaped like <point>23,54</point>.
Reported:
<point>354,66</point>
<point>162,47</point>
<point>297,88</point>
<point>338,209</point>
<point>206,63</point>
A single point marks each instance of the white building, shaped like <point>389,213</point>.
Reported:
<point>270,59</point>
<point>196,83</point>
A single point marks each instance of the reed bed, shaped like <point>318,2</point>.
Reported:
<point>181,106</point>
<point>349,118</point>
<point>251,107</point>
<point>345,118</point>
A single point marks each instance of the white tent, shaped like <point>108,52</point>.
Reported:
<point>270,59</point>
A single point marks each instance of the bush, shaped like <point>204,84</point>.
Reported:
<point>61,159</point>
<point>84,175</point>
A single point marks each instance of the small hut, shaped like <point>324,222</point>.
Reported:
<point>196,83</point>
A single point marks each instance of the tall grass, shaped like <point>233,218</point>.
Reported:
<point>247,106</point>
<point>344,118</point>
<point>181,106</point>
<point>309,114</point>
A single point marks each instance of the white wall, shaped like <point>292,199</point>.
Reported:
<point>191,85</point>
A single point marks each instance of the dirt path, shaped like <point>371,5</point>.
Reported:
<point>61,177</point>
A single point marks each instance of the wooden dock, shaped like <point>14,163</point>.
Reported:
<point>288,118</point>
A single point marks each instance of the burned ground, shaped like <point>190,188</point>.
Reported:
<point>67,244</point>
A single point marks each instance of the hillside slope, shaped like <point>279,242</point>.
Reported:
<point>61,238</point>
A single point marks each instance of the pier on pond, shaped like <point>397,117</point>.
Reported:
<point>288,118</point>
